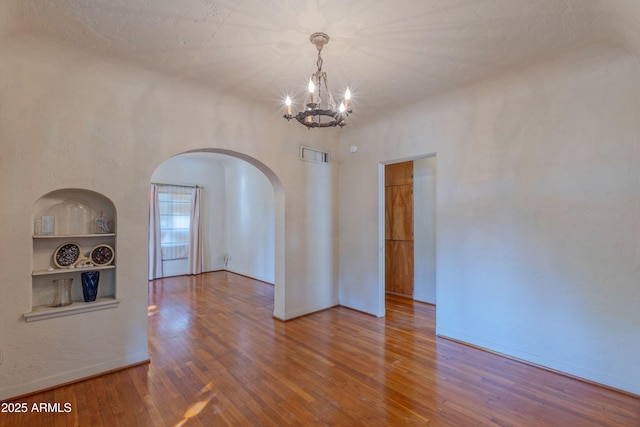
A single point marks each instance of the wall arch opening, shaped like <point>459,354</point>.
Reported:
<point>254,210</point>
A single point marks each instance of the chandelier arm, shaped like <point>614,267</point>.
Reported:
<point>330,100</point>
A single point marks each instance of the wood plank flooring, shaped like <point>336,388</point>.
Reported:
<point>219,358</point>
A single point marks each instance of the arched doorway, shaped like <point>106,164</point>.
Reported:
<point>237,180</point>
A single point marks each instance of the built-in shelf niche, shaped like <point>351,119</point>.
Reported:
<point>74,221</point>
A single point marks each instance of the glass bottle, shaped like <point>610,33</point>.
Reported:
<point>62,292</point>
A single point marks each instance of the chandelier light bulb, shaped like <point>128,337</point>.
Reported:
<point>347,98</point>
<point>342,107</point>
<point>288,103</point>
<point>312,89</point>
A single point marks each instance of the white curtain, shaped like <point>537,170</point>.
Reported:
<point>195,241</point>
<point>167,239</point>
<point>155,250</point>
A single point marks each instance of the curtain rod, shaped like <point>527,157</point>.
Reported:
<point>178,185</point>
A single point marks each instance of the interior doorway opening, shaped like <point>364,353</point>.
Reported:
<point>398,229</point>
<point>241,217</point>
<point>408,228</point>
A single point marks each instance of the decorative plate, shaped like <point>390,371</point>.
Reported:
<point>101,255</point>
<point>66,255</point>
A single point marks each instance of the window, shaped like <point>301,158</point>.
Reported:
<point>174,204</point>
<point>175,243</point>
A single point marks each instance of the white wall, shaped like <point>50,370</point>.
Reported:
<point>320,207</point>
<point>537,212</point>
<point>249,222</point>
<point>424,229</point>
<point>70,119</point>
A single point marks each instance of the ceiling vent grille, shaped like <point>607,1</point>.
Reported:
<point>313,155</point>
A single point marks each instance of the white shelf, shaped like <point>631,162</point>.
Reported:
<point>71,270</point>
<point>44,312</point>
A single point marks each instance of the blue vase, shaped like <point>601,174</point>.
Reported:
<point>90,285</point>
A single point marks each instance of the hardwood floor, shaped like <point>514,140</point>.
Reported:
<point>219,358</point>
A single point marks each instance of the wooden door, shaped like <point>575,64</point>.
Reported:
<point>398,181</point>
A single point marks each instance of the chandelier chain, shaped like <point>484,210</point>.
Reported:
<point>319,61</point>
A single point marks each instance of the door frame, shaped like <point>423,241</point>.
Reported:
<point>381,225</point>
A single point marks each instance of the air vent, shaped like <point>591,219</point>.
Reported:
<point>313,155</point>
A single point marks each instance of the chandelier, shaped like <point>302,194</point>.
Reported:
<point>321,110</point>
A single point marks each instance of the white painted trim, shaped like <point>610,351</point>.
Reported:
<point>43,312</point>
<point>308,310</point>
<point>381,253</point>
<point>381,250</point>
<point>556,365</point>
<point>70,376</point>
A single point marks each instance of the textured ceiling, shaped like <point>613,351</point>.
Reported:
<point>388,52</point>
